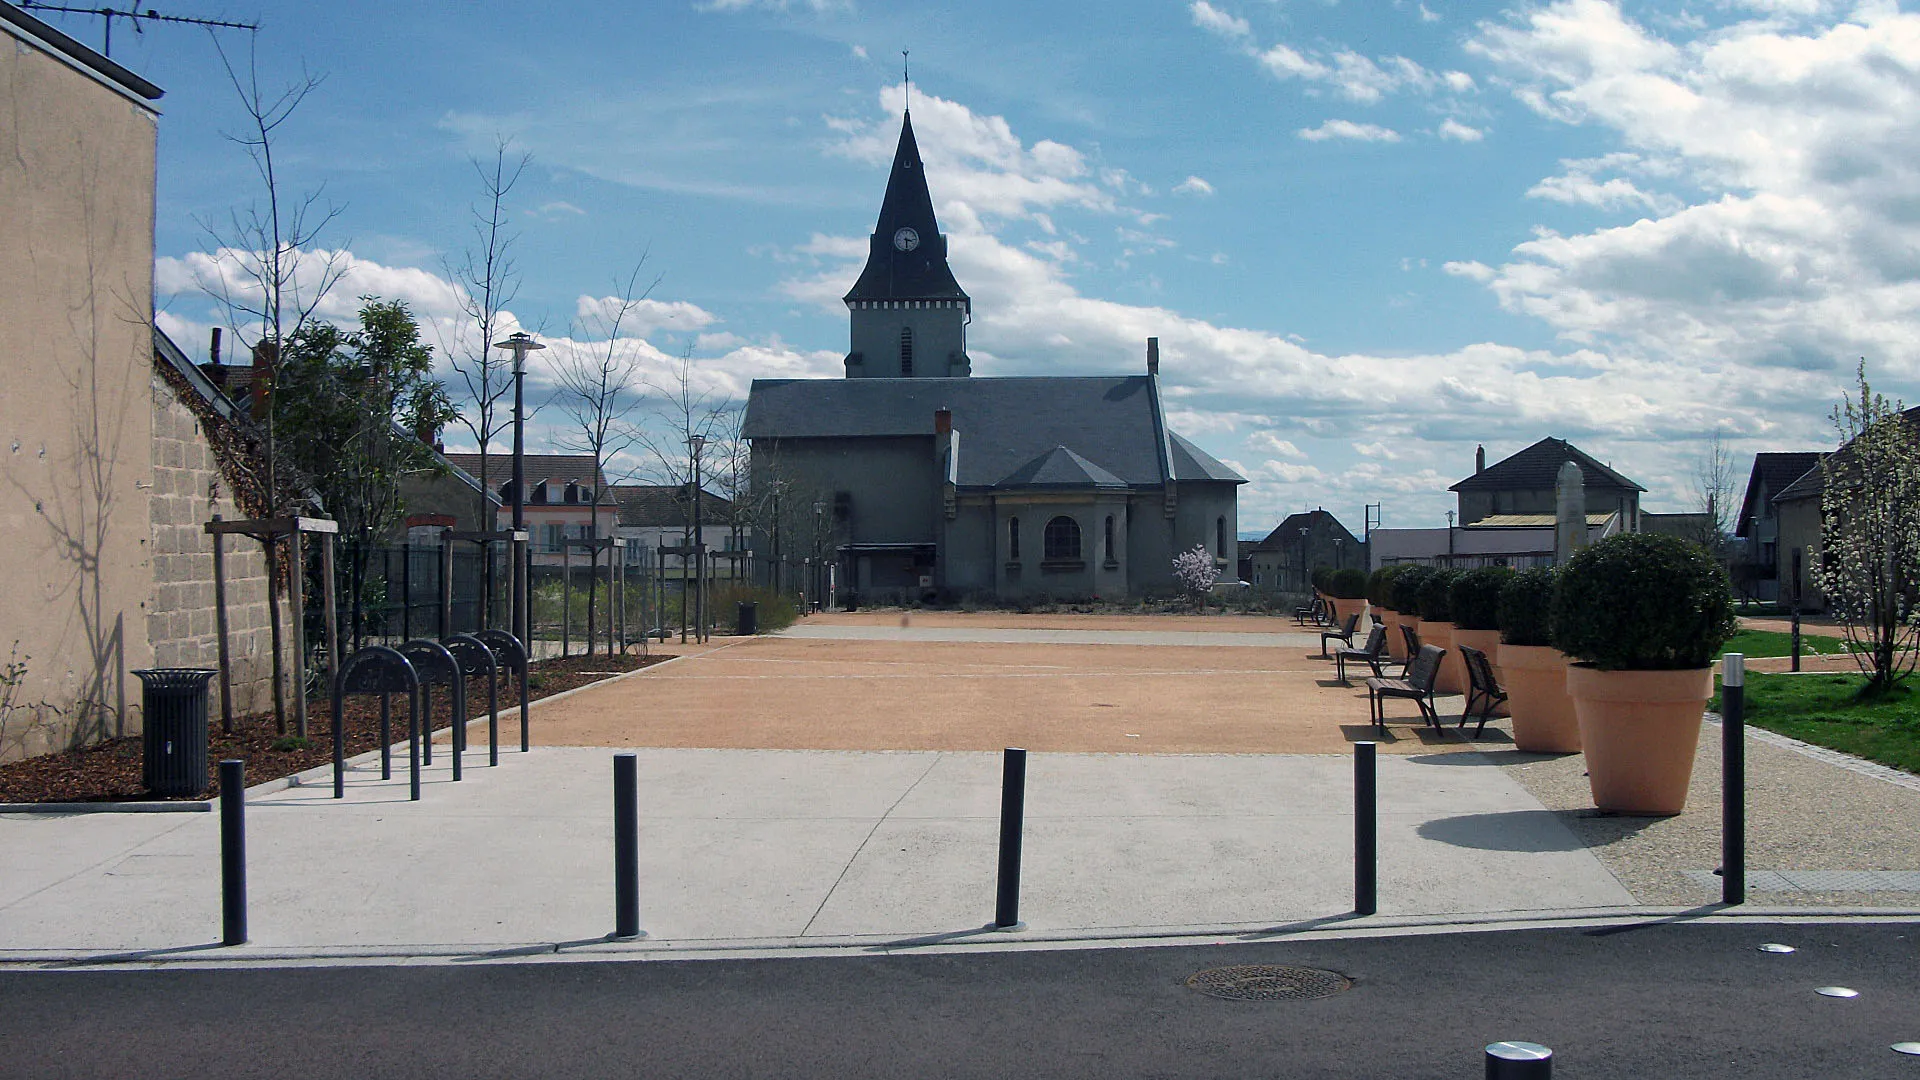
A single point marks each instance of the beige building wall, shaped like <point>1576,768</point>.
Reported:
<point>189,487</point>
<point>76,421</point>
<point>1800,530</point>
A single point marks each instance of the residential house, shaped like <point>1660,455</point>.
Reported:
<point>1524,484</point>
<point>1285,560</point>
<point>1768,564</point>
<point>560,504</point>
<point>657,516</point>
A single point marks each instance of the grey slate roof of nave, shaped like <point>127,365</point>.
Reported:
<point>1003,423</point>
<point>1060,468</point>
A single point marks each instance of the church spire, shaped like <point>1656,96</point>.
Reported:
<point>907,256</point>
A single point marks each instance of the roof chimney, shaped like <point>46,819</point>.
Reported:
<point>1479,459</point>
<point>1153,356</point>
<point>943,421</point>
<point>213,350</point>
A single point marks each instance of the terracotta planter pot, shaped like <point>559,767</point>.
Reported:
<point>1453,673</point>
<point>1396,643</point>
<point>1487,641</point>
<point>1343,607</point>
<point>1640,730</point>
<point>1535,677</point>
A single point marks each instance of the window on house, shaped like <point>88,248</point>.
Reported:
<point>550,537</point>
<point>1013,538</point>
<point>906,350</point>
<point>1109,538</point>
<point>1062,538</point>
<point>1220,536</point>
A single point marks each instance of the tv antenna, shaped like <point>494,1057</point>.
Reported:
<point>134,16</point>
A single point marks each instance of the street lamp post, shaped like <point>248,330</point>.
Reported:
<point>1304,576</point>
<point>520,343</point>
<point>820,560</point>
<point>696,444</point>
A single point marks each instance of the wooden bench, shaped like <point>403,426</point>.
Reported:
<point>1372,653</point>
<point>1483,691</point>
<point>1417,685</point>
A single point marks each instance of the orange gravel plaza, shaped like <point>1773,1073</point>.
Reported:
<point>830,694</point>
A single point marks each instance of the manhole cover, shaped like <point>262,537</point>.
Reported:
<point>1269,982</point>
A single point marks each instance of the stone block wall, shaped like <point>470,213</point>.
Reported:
<point>189,487</point>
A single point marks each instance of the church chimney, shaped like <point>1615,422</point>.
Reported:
<point>943,421</point>
<point>1153,356</point>
<point>1479,459</point>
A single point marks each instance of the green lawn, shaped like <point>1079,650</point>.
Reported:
<point>1821,709</point>
<point>1775,643</point>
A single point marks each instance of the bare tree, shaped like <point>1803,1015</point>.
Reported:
<point>488,281</point>
<point>599,391</point>
<point>1713,480</point>
<point>681,410</point>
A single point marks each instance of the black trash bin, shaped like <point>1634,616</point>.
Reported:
<point>174,703</point>
<point>748,618</point>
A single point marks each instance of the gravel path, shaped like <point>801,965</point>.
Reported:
<point>1803,813</point>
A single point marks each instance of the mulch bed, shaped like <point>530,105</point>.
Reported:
<point>110,771</point>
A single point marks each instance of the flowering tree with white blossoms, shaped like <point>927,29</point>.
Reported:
<point>1194,569</point>
<point>1869,562</point>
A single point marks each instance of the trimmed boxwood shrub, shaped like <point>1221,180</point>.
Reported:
<point>1643,602</point>
<point>1377,586</point>
<point>1347,583</point>
<point>1319,579</point>
<point>1436,595</point>
<point>1476,598</point>
<point>1403,594</point>
<point>1526,607</point>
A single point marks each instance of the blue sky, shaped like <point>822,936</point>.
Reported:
<point>1369,235</point>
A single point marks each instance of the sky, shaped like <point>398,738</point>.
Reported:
<point>1369,236</point>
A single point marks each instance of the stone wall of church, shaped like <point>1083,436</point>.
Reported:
<point>939,334</point>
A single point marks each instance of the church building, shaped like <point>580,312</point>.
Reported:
<point>912,479</point>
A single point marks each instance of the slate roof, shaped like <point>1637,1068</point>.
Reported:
<point>556,469</point>
<point>920,274</point>
<point>1536,468</point>
<point>1112,421</point>
<point>1813,481</point>
<point>1286,535</point>
<point>665,505</point>
<point>1535,521</point>
<point>1772,473</point>
<point>1060,468</point>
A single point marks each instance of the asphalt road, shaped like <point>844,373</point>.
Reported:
<point>1669,1000</point>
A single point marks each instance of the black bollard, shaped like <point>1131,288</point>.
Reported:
<point>1519,1061</point>
<point>233,852</point>
<point>626,846</point>
<point>1013,803</point>
<point>1733,779</point>
<point>1796,637</point>
<point>1366,831</point>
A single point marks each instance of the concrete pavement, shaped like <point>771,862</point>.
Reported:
<point>782,848</point>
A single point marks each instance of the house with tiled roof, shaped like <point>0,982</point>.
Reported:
<point>1284,560</point>
<point>1768,564</point>
<point>911,478</point>
<point>567,498</point>
<point>1801,524</point>
<point>657,516</point>
<point>1523,484</point>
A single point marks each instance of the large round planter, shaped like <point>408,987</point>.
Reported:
<point>1343,607</point>
<point>1535,678</point>
<point>1640,730</point>
<point>1487,641</point>
<point>1453,674</point>
<point>1396,642</point>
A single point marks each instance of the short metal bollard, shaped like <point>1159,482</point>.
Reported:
<point>233,852</point>
<point>1366,831</point>
<point>1519,1061</point>
<point>1733,779</point>
<point>626,847</point>
<point>1013,808</point>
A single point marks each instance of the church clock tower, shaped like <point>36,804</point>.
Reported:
<point>909,315</point>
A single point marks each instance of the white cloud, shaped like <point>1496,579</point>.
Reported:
<point>860,52</point>
<point>1792,149</point>
<point>647,315</point>
<point>1267,442</point>
<point>1208,17</point>
<point>1360,78</point>
<point>1193,185</point>
<point>1347,129</point>
<point>1459,132</point>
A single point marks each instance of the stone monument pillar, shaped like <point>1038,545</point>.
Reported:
<point>1570,513</point>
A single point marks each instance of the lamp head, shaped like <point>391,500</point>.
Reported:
<point>697,442</point>
<point>521,343</point>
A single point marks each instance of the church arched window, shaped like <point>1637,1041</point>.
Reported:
<point>1220,537</point>
<point>1062,538</point>
<point>1013,539</point>
<point>906,350</point>
<point>1110,557</point>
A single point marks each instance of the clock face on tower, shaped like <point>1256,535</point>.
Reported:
<point>906,239</point>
